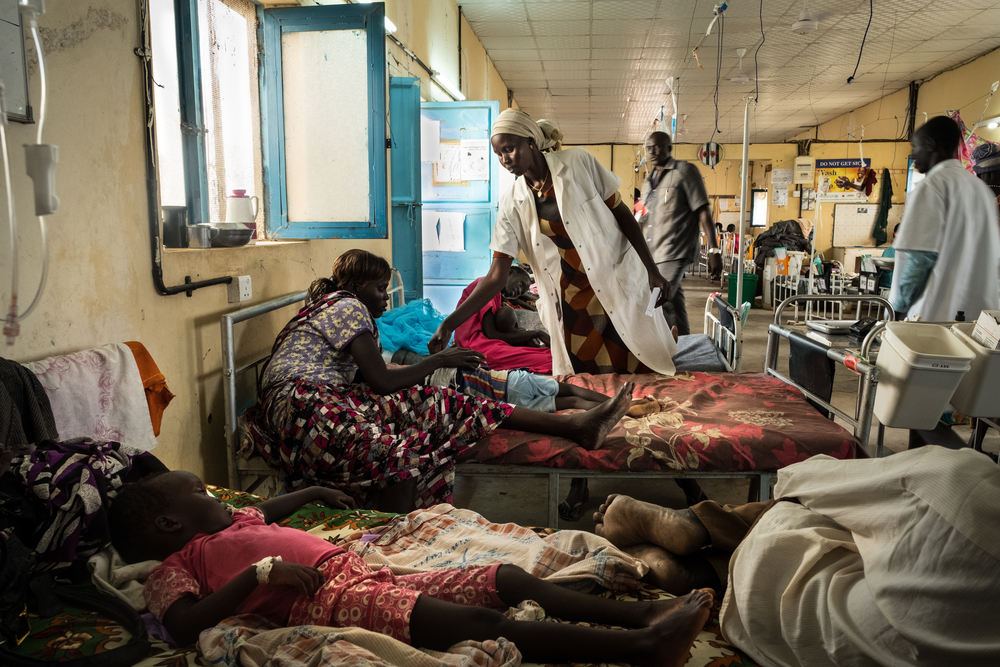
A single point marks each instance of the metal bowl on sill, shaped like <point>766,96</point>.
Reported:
<point>231,235</point>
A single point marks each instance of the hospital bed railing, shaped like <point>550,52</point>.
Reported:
<point>861,420</point>
<point>245,473</point>
<point>724,326</point>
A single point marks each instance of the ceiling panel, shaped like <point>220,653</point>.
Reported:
<point>634,10</point>
<point>494,11</point>
<point>504,43</point>
<point>579,61</point>
<point>541,10</point>
<point>503,28</point>
<point>555,65</point>
<point>561,27</point>
<point>564,54</point>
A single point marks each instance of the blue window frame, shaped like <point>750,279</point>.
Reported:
<point>272,25</point>
<point>276,24</point>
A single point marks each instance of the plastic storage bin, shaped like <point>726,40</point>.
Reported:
<point>978,395</point>
<point>920,366</point>
<point>749,289</point>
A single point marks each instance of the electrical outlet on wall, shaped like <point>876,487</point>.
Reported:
<point>240,289</point>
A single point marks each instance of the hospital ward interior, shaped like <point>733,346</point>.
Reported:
<point>459,333</point>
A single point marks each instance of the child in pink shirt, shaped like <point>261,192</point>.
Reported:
<point>218,562</point>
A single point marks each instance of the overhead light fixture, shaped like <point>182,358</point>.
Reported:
<point>990,123</point>
<point>390,27</point>
<point>806,22</point>
<point>455,93</point>
<point>741,77</point>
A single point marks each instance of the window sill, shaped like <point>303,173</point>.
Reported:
<point>259,244</point>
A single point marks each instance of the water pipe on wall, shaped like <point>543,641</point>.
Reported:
<point>144,51</point>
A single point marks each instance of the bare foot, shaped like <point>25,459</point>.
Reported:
<point>597,423</point>
<point>625,522</point>
<point>660,609</point>
<point>643,406</point>
<point>675,634</point>
<point>676,575</point>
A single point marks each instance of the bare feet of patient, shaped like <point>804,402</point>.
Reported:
<point>595,424</point>
<point>625,522</point>
<point>672,637</point>
<point>661,609</point>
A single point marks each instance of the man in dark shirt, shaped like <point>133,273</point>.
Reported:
<point>676,201</point>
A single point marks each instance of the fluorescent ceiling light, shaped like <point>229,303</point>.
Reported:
<point>446,85</point>
<point>390,27</point>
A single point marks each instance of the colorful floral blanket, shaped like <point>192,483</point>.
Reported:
<point>76,633</point>
<point>708,421</point>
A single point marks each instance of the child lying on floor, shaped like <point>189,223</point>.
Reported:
<point>218,562</point>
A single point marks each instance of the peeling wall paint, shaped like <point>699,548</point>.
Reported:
<point>58,40</point>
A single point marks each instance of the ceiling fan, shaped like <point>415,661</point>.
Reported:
<point>806,23</point>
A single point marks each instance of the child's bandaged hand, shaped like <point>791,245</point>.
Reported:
<point>305,580</point>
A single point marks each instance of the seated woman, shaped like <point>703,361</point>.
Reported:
<point>330,412</point>
<point>504,348</point>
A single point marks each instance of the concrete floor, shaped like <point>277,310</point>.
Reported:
<point>523,501</point>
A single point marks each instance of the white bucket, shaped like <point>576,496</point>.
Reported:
<point>920,366</point>
<point>978,395</point>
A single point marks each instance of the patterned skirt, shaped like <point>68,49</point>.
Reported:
<point>593,343</point>
<point>351,439</point>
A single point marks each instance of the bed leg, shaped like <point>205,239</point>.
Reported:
<point>760,487</point>
<point>553,478</point>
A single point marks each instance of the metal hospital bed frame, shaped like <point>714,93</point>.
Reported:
<point>867,373</point>
<point>249,473</point>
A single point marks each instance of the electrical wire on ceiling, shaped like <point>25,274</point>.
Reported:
<point>717,14</point>
<point>756,81</point>
<point>718,72</point>
<point>871,13</point>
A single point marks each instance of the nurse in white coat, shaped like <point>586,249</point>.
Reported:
<point>593,268</point>
<point>594,271</point>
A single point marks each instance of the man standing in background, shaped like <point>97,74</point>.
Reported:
<point>677,204</point>
<point>948,248</point>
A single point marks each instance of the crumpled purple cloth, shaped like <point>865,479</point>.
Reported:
<point>76,481</point>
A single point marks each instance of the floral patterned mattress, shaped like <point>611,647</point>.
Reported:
<point>77,633</point>
<point>708,421</point>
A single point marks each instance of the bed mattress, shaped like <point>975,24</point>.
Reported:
<point>708,422</point>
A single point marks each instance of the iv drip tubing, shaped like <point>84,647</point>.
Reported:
<point>41,124</point>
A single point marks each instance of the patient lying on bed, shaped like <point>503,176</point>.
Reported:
<point>491,332</point>
<point>860,562</point>
<point>218,562</point>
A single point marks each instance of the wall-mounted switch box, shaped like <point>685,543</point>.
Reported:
<point>240,290</point>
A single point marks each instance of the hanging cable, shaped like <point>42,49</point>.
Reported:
<point>756,81</point>
<point>11,327</point>
<point>718,73</point>
<point>41,124</point>
<point>871,13</point>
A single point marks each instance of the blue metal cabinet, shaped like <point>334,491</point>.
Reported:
<point>446,273</point>
<point>404,130</point>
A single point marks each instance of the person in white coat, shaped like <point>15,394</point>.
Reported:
<point>594,271</point>
<point>948,249</point>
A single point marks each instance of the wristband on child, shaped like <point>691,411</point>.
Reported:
<point>264,566</point>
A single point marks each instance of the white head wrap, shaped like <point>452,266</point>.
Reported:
<point>520,124</point>
<point>552,134</point>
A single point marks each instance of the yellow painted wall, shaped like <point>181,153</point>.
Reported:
<point>966,89</point>
<point>884,155</point>
<point>100,288</point>
<point>882,119</point>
